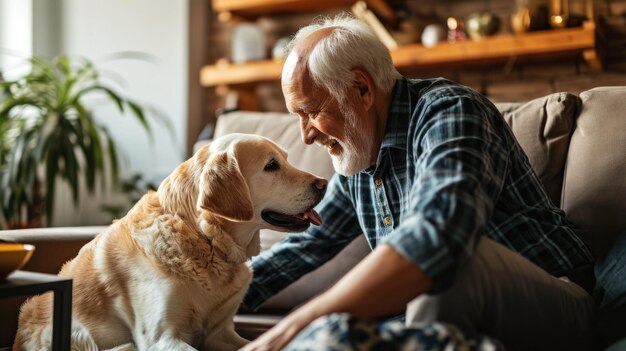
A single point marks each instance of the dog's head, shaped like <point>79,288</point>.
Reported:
<point>246,178</point>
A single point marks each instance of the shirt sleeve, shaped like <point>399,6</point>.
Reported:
<point>460,163</point>
<point>297,254</point>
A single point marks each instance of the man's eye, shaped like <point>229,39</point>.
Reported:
<point>272,166</point>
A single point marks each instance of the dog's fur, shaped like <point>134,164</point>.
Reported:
<point>171,274</point>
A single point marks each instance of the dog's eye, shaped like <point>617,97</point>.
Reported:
<point>272,166</point>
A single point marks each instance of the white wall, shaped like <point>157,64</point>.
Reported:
<point>46,22</point>
<point>16,36</point>
<point>95,29</point>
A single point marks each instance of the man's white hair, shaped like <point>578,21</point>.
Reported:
<point>351,44</point>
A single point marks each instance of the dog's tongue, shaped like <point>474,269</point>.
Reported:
<point>314,217</point>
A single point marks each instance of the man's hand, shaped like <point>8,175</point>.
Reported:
<point>282,333</point>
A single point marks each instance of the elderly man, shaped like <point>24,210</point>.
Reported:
<point>464,237</point>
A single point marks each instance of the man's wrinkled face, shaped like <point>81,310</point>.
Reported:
<point>346,136</point>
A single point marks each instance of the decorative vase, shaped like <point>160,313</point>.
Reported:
<point>247,43</point>
<point>481,25</point>
<point>433,34</point>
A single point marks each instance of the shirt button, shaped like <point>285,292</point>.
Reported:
<point>387,220</point>
<point>378,182</point>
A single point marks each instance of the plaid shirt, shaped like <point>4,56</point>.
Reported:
<point>448,171</point>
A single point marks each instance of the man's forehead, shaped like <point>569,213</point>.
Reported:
<point>295,64</point>
<point>290,66</point>
<point>300,91</point>
<point>297,88</point>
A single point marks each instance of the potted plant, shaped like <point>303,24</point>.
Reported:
<point>49,133</point>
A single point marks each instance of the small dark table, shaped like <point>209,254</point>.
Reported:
<point>22,283</point>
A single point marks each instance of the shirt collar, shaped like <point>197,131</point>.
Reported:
<point>397,124</point>
<point>398,117</point>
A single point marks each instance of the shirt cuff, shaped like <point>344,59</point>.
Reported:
<point>426,251</point>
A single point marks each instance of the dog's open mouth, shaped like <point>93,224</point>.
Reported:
<point>292,222</point>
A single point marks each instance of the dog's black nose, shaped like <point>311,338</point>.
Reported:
<point>320,185</point>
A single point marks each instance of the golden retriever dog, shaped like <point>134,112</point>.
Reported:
<point>171,274</point>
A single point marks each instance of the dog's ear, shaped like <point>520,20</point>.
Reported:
<point>223,190</point>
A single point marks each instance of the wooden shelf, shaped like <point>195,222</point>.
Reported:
<point>415,57</point>
<point>244,73</point>
<point>573,41</point>
<point>254,8</point>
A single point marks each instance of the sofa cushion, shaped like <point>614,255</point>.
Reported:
<point>594,192</point>
<point>543,128</point>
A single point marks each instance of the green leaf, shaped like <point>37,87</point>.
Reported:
<point>113,95</point>
<point>113,159</point>
<point>19,151</point>
<point>63,63</point>
<point>52,168</point>
<point>71,167</point>
<point>138,111</point>
<point>11,103</point>
<point>85,145</point>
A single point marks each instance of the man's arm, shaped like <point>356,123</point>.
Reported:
<point>371,289</point>
<point>365,294</point>
<point>461,159</point>
<point>297,254</point>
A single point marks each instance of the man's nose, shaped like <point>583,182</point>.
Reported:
<point>307,131</point>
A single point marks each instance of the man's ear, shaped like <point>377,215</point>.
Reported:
<point>365,85</point>
<point>223,191</point>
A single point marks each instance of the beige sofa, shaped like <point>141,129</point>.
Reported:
<point>577,145</point>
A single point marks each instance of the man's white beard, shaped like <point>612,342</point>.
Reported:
<point>355,155</point>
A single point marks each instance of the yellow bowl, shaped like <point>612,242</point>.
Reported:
<point>13,256</point>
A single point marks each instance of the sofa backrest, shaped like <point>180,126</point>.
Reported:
<point>594,192</point>
<point>543,128</point>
